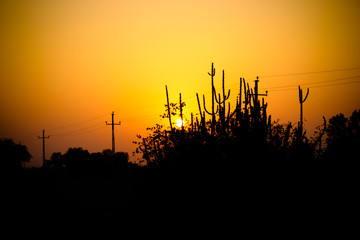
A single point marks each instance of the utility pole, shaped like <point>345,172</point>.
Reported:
<point>256,98</point>
<point>112,126</point>
<point>43,138</point>
<point>301,101</point>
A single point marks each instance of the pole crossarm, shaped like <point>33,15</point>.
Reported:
<point>256,89</point>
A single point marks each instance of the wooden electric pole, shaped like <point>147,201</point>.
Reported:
<point>301,101</point>
<point>43,138</point>
<point>113,136</point>
<point>256,99</point>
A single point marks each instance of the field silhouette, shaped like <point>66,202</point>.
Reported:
<point>222,165</point>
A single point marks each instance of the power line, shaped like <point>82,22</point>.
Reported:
<point>312,83</point>
<point>314,72</point>
<point>335,84</point>
<point>73,134</point>
<point>79,123</point>
<point>277,75</point>
<point>279,88</point>
<point>153,115</point>
<point>276,88</point>
<point>321,86</point>
<point>302,73</point>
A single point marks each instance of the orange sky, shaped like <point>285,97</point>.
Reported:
<point>65,65</point>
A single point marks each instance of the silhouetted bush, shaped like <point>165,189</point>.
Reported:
<point>13,155</point>
<point>343,138</point>
<point>79,162</point>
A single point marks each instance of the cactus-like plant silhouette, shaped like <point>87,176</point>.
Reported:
<point>221,136</point>
<point>213,112</point>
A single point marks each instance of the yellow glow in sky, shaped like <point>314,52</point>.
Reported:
<point>65,65</point>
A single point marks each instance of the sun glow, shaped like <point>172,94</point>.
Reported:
<point>179,123</point>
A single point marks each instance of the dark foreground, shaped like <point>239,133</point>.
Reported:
<point>292,195</point>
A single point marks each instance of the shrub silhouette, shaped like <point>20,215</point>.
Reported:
<point>79,162</point>
<point>343,137</point>
<point>13,156</point>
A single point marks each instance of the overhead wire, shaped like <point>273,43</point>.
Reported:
<point>336,84</point>
<point>80,123</point>
<point>296,74</point>
<point>313,72</point>
<point>78,133</point>
<point>275,88</point>
<point>292,87</point>
<point>67,131</point>
<point>313,83</point>
<point>76,130</point>
<point>321,86</point>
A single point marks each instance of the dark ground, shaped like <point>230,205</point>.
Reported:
<point>283,197</point>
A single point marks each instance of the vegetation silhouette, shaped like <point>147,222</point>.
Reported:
<point>241,137</point>
<point>242,156</point>
<point>13,155</point>
<point>77,162</point>
<point>343,138</point>
<point>224,163</point>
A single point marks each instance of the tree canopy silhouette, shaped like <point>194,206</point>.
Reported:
<point>79,162</point>
<point>13,155</point>
<point>343,137</point>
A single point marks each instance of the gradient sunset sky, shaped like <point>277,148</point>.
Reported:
<point>66,65</point>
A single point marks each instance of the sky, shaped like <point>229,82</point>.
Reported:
<point>66,65</point>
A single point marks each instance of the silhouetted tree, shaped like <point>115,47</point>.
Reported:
<point>120,160</point>
<point>56,160</point>
<point>343,137</point>
<point>13,155</point>
<point>76,160</point>
<point>107,164</point>
<point>301,148</point>
<point>278,139</point>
